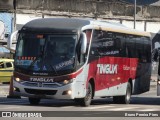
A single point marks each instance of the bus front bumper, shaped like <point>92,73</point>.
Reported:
<point>62,92</point>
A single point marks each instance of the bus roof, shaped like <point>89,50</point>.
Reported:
<point>74,25</point>
<point>116,27</point>
<point>66,25</point>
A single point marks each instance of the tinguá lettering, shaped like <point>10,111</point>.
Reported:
<point>107,68</point>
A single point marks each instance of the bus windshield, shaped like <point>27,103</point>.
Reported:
<point>45,52</point>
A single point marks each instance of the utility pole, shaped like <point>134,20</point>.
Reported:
<point>15,12</point>
<point>42,8</point>
<point>134,14</point>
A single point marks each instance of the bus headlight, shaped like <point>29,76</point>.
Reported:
<point>159,82</point>
<point>67,92</point>
<point>17,79</point>
<point>67,81</point>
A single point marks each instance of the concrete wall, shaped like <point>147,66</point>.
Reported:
<point>6,5</point>
<point>90,8</point>
<point>148,17</point>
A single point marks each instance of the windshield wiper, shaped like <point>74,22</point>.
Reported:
<point>33,62</point>
<point>53,68</point>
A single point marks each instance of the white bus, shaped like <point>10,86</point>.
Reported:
<point>66,58</point>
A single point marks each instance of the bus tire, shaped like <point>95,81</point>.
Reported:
<point>126,98</point>
<point>34,101</point>
<point>86,101</point>
<point>88,98</point>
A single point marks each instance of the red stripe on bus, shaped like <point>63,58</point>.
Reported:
<point>56,78</point>
<point>111,71</point>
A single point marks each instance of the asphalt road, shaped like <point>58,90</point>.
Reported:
<point>147,103</point>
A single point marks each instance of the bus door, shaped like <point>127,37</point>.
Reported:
<point>94,58</point>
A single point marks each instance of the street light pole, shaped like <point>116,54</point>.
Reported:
<point>42,8</point>
<point>14,19</point>
<point>134,14</point>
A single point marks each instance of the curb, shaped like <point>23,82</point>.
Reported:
<point>4,90</point>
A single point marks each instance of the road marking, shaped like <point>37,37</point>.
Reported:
<point>127,108</point>
<point>13,102</point>
<point>97,113</point>
<point>67,107</point>
<point>149,110</point>
<point>9,108</point>
<point>98,107</point>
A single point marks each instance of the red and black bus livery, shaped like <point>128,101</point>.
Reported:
<point>66,58</point>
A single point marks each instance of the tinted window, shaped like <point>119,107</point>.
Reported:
<point>130,46</point>
<point>139,48</point>
<point>147,49</point>
<point>8,64</point>
<point>1,65</point>
<point>120,43</point>
<point>105,43</point>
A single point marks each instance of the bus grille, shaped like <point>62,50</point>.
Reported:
<point>36,84</point>
<point>50,85</point>
<point>32,84</point>
<point>41,92</point>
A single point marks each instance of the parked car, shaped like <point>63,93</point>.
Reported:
<point>4,52</point>
<point>6,70</point>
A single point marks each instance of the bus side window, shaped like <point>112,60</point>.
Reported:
<point>140,49</point>
<point>20,46</point>
<point>147,49</point>
<point>148,52</point>
<point>81,57</point>
<point>130,47</point>
<point>95,43</point>
<point>120,45</point>
<point>103,44</point>
<point>88,35</point>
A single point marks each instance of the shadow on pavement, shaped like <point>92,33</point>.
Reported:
<point>63,103</point>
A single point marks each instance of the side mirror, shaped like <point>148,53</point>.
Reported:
<point>84,43</point>
<point>9,43</point>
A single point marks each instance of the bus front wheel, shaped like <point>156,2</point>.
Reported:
<point>86,101</point>
<point>34,101</point>
<point>126,98</point>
